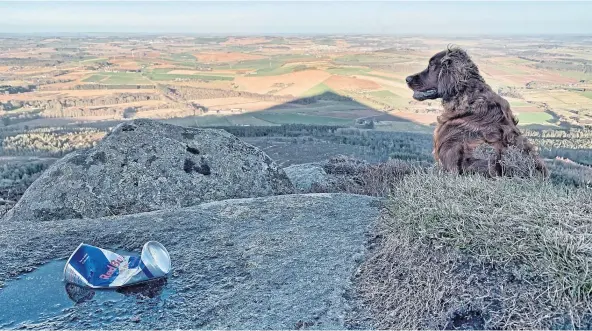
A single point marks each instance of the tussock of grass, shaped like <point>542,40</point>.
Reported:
<point>513,162</point>
<point>356,176</point>
<point>465,251</point>
<point>563,172</point>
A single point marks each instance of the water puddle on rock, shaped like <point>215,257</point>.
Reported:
<point>43,294</point>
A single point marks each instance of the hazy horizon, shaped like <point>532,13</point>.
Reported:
<point>298,18</point>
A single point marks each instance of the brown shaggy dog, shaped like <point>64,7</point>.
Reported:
<point>474,116</point>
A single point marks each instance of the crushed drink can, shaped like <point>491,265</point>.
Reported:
<point>95,267</point>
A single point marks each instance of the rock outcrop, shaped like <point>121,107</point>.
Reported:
<point>144,165</point>
<point>281,262</point>
<point>306,176</point>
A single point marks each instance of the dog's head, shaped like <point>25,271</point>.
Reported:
<point>447,75</point>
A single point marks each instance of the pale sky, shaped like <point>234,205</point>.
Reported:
<point>288,17</point>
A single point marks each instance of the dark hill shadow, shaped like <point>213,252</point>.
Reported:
<point>318,127</point>
<point>332,105</point>
<point>327,108</point>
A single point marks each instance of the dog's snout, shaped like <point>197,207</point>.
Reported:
<point>409,79</point>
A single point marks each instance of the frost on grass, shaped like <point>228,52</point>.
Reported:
<point>470,252</point>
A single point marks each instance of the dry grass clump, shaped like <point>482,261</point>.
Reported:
<point>513,161</point>
<point>360,177</point>
<point>469,252</point>
<point>345,165</point>
<point>567,173</point>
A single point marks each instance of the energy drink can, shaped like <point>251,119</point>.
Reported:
<point>95,267</point>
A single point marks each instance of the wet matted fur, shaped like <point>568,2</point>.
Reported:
<point>474,116</point>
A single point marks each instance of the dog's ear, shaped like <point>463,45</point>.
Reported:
<point>456,69</point>
<point>448,78</point>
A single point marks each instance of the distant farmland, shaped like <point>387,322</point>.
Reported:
<point>117,79</point>
<point>250,79</point>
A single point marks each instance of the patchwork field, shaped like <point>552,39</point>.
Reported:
<point>273,80</point>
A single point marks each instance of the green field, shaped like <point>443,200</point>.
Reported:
<point>277,41</point>
<point>273,71</point>
<point>318,89</point>
<point>92,60</point>
<point>94,79</point>
<point>366,58</point>
<point>162,71</point>
<point>183,57</point>
<point>576,75</point>
<point>272,66</point>
<point>278,70</point>
<point>263,118</point>
<point>162,77</point>
<point>291,57</point>
<point>348,71</point>
<point>211,120</point>
<point>534,118</point>
<point>387,97</point>
<point>287,118</point>
<point>247,119</point>
<point>118,78</point>
<point>249,64</point>
<point>325,41</point>
<point>163,74</point>
<point>126,78</point>
<point>330,107</point>
<point>587,94</point>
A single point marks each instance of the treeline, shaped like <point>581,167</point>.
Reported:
<point>113,87</point>
<point>9,89</point>
<point>286,130</point>
<point>49,143</point>
<point>62,103</point>
<point>395,145</point>
<point>18,117</point>
<point>41,77</point>
<point>571,133</point>
<point>15,178</point>
<point>193,93</point>
<point>100,101</point>
<point>574,143</point>
<point>45,84</point>
<point>115,112</point>
<point>7,61</point>
<point>386,144</point>
<point>196,93</point>
<point>563,66</point>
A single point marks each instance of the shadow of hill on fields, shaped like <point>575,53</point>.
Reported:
<point>327,108</point>
<point>318,127</point>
